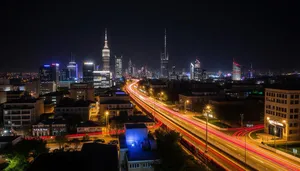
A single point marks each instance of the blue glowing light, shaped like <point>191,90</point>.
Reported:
<point>132,145</point>
<point>47,66</point>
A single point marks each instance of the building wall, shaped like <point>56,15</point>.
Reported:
<point>115,109</point>
<point>84,112</point>
<point>136,135</point>
<point>82,91</point>
<point>140,165</point>
<point>282,108</point>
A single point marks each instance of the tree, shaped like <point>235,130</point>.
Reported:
<point>173,158</point>
<point>61,140</point>
<point>76,143</point>
<point>20,155</point>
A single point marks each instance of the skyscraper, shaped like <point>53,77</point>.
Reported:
<point>87,72</point>
<point>49,73</point>
<point>164,60</point>
<point>105,54</point>
<point>192,71</point>
<point>236,71</point>
<point>102,79</point>
<point>130,67</point>
<point>118,67</point>
<point>72,70</point>
<point>197,71</point>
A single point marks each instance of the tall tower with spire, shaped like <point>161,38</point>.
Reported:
<point>164,60</point>
<point>105,54</point>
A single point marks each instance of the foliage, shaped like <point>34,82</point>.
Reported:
<point>86,137</point>
<point>24,152</point>
<point>61,140</point>
<point>173,158</point>
<point>76,143</point>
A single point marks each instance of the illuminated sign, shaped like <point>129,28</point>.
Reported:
<point>275,123</point>
<point>88,63</point>
<point>47,66</point>
<point>55,64</point>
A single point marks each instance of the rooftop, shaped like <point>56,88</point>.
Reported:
<point>134,126</point>
<point>23,100</point>
<point>284,86</point>
<point>137,154</point>
<point>57,93</point>
<point>8,138</point>
<point>68,102</point>
<point>88,124</point>
<point>115,102</point>
<point>93,157</point>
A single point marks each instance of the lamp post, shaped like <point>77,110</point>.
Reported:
<point>207,112</point>
<point>106,116</point>
<point>242,124</point>
<point>185,102</point>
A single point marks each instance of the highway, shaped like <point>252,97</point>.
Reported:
<point>256,157</point>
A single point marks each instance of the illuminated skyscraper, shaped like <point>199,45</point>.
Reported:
<point>164,60</point>
<point>236,71</point>
<point>197,71</point>
<point>118,67</point>
<point>87,72</point>
<point>72,70</point>
<point>49,73</point>
<point>105,54</point>
<point>192,71</point>
<point>130,67</point>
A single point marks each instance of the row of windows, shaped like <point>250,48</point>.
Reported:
<point>276,113</point>
<point>67,110</point>
<point>293,125</point>
<point>279,95</point>
<point>137,165</point>
<point>293,131</point>
<point>294,102</point>
<point>293,116</point>
<point>281,109</point>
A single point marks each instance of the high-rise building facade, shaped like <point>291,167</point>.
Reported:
<point>72,70</point>
<point>164,61</point>
<point>48,73</point>
<point>87,72</point>
<point>64,75</point>
<point>192,71</point>
<point>130,68</point>
<point>102,79</point>
<point>197,71</point>
<point>118,67</point>
<point>236,71</point>
<point>106,54</point>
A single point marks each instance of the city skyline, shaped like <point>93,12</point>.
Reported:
<point>210,33</point>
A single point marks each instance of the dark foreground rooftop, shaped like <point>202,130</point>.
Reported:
<point>93,157</point>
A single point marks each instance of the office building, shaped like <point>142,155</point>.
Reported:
<point>129,67</point>
<point>73,71</point>
<point>64,75</point>
<point>102,79</point>
<point>47,87</point>
<point>87,72</point>
<point>106,54</point>
<point>164,61</point>
<point>197,71</point>
<point>86,109</point>
<point>236,71</point>
<point>22,112</point>
<point>46,73</point>
<point>192,69</point>
<point>118,67</point>
<point>282,110</point>
<point>83,91</point>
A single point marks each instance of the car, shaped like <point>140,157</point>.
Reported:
<point>99,141</point>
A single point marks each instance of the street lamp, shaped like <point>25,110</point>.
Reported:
<point>208,109</point>
<point>106,116</point>
<point>242,125</point>
<point>186,102</point>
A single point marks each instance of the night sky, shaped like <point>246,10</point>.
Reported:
<point>265,34</point>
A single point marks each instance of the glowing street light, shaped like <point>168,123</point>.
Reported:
<point>208,110</point>
<point>186,102</point>
<point>106,116</point>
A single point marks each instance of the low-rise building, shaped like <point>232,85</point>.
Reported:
<point>9,141</point>
<point>88,110</point>
<point>22,112</point>
<point>50,127</point>
<point>82,91</point>
<point>282,110</point>
<point>137,152</point>
<point>89,126</point>
<point>54,97</point>
<point>115,107</point>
